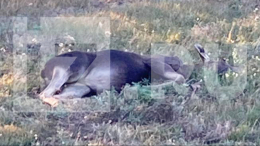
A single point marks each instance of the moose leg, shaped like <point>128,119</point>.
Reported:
<point>75,90</point>
<point>172,75</point>
<point>59,77</point>
<point>166,71</point>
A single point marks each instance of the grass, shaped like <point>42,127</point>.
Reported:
<point>137,115</point>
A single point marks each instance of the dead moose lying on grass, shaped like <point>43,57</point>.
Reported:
<point>78,74</point>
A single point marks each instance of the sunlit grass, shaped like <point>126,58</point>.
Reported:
<point>139,116</point>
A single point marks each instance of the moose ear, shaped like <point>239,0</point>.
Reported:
<point>199,48</point>
<point>202,52</point>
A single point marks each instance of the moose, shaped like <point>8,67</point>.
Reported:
<point>78,74</point>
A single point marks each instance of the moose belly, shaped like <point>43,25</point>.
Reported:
<point>101,79</point>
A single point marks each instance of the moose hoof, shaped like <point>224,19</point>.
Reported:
<point>53,102</point>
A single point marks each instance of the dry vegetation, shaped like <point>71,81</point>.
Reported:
<point>138,115</point>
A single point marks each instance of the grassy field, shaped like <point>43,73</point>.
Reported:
<point>137,115</point>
